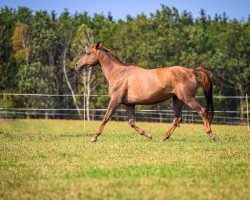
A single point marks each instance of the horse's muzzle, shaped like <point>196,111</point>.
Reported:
<point>77,67</point>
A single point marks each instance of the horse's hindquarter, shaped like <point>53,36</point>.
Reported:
<point>148,86</point>
<point>184,82</point>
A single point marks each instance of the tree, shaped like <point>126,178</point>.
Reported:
<point>40,46</point>
<point>45,46</point>
<point>65,30</point>
<point>8,67</point>
<point>21,41</point>
<point>82,40</point>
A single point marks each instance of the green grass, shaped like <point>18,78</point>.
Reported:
<point>54,159</point>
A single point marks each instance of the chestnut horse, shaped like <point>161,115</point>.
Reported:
<point>131,85</point>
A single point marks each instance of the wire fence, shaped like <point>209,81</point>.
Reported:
<point>160,113</point>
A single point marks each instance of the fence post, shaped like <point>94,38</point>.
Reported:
<point>84,111</point>
<point>247,112</point>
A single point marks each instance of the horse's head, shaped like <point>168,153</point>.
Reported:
<point>88,59</point>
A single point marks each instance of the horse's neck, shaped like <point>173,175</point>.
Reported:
<point>110,66</point>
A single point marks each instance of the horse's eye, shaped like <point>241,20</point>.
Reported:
<point>88,53</point>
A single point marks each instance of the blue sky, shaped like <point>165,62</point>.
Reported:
<point>239,9</point>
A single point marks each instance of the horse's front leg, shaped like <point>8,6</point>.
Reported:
<point>113,104</point>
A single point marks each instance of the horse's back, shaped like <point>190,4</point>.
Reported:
<point>147,86</point>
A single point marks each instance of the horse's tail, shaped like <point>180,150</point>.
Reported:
<point>207,87</point>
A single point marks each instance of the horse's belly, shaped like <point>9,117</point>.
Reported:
<point>148,97</point>
<point>148,87</point>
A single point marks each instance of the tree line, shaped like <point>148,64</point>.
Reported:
<point>38,50</point>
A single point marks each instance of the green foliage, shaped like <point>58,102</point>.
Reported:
<point>8,66</point>
<point>29,78</point>
<point>82,39</point>
<point>44,39</point>
<point>21,42</point>
<point>164,38</point>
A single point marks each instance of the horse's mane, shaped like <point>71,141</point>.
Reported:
<point>109,53</point>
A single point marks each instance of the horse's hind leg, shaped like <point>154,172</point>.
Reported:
<point>177,105</point>
<point>192,103</point>
<point>131,114</point>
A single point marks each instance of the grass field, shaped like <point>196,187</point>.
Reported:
<point>53,159</point>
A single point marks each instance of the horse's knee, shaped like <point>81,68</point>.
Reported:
<point>203,112</point>
<point>177,121</point>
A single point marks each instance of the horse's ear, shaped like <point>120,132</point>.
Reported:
<point>98,44</point>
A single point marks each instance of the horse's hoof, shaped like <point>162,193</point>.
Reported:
<point>93,139</point>
<point>149,135</point>
<point>214,138</point>
<point>163,138</point>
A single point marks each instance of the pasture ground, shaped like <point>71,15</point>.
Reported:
<point>54,159</point>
